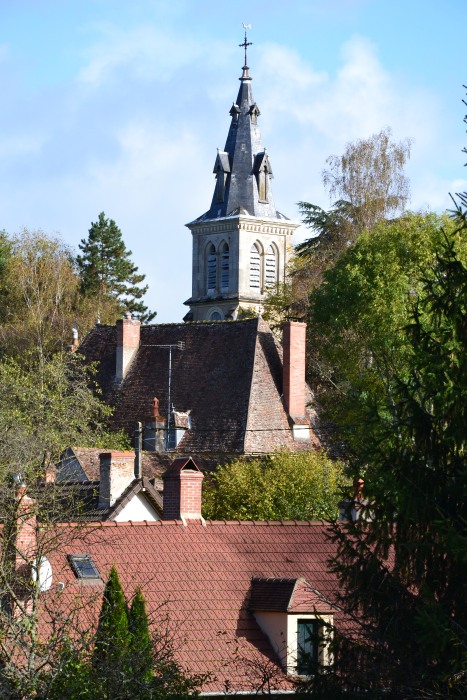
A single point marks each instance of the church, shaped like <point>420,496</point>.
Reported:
<point>218,385</point>
<point>242,244</point>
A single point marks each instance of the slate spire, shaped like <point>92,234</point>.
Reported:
<point>243,171</point>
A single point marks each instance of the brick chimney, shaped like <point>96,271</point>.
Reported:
<point>117,472</point>
<point>128,339</point>
<point>293,373</point>
<point>21,550</point>
<point>183,483</point>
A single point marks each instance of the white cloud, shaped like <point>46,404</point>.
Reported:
<point>149,53</point>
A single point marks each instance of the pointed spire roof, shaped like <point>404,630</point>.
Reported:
<point>243,171</point>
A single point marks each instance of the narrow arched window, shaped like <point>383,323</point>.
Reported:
<point>225,266</point>
<point>212,265</point>
<point>255,268</point>
<point>270,270</point>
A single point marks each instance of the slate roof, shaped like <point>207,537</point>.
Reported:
<point>229,375</point>
<point>242,147</point>
<point>202,576</point>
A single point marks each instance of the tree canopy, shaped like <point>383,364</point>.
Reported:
<point>284,485</point>
<point>107,273</point>
<point>360,312</point>
<point>402,571</point>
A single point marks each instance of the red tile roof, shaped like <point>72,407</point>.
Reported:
<point>202,575</point>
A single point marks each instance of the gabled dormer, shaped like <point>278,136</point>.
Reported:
<point>297,620</point>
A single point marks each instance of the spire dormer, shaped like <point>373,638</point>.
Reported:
<point>242,219</point>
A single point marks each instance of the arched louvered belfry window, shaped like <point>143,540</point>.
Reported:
<point>255,268</point>
<point>211,267</point>
<point>270,269</point>
<point>225,267</point>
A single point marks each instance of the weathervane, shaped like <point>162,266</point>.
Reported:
<point>245,42</point>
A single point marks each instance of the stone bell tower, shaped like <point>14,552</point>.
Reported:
<point>242,244</point>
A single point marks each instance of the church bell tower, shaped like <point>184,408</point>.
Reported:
<point>242,244</point>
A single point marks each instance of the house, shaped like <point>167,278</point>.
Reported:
<point>243,599</point>
<point>213,389</point>
<point>217,386</point>
<point>93,485</point>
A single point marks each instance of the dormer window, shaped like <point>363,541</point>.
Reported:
<point>254,113</point>
<point>221,170</point>
<point>262,171</point>
<point>297,622</point>
<point>308,641</point>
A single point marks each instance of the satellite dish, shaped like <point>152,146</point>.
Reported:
<point>42,573</point>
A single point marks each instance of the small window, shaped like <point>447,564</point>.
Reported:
<point>83,566</point>
<point>307,646</point>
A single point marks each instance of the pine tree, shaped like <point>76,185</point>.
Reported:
<point>140,648</point>
<point>107,272</point>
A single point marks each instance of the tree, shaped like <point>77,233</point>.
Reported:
<point>40,296</point>
<point>367,185</point>
<point>45,409</point>
<point>107,273</point>
<point>111,657</point>
<point>285,485</point>
<point>402,570</point>
<point>360,312</point>
<point>140,647</point>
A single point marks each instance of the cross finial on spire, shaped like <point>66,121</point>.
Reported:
<point>245,42</point>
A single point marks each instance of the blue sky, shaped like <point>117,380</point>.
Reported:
<point>119,106</point>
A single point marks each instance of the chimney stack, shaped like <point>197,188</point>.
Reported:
<point>293,377</point>
<point>182,498</point>
<point>117,472</point>
<point>128,339</point>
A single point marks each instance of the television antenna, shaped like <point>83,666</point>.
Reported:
<point>170,346</point>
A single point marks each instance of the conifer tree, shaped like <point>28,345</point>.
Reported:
<point>402,571</point>
<point>107,272</point>
<point>112,642</point>
<point>140,647</point>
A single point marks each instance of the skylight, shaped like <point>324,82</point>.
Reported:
<point>83,566</point>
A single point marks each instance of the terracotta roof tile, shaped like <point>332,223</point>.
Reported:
<point>204,574</point>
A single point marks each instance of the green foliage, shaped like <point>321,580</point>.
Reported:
<point>140,649</point>
<point>369,176</point>
<point>368,186</point>
<point>45,409</point>
<point>107,273</point>
<point>285,485</point>
<point>360,313</point>
<point>40,296</point>
<point>403,571</point>
<point>112,641</point>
